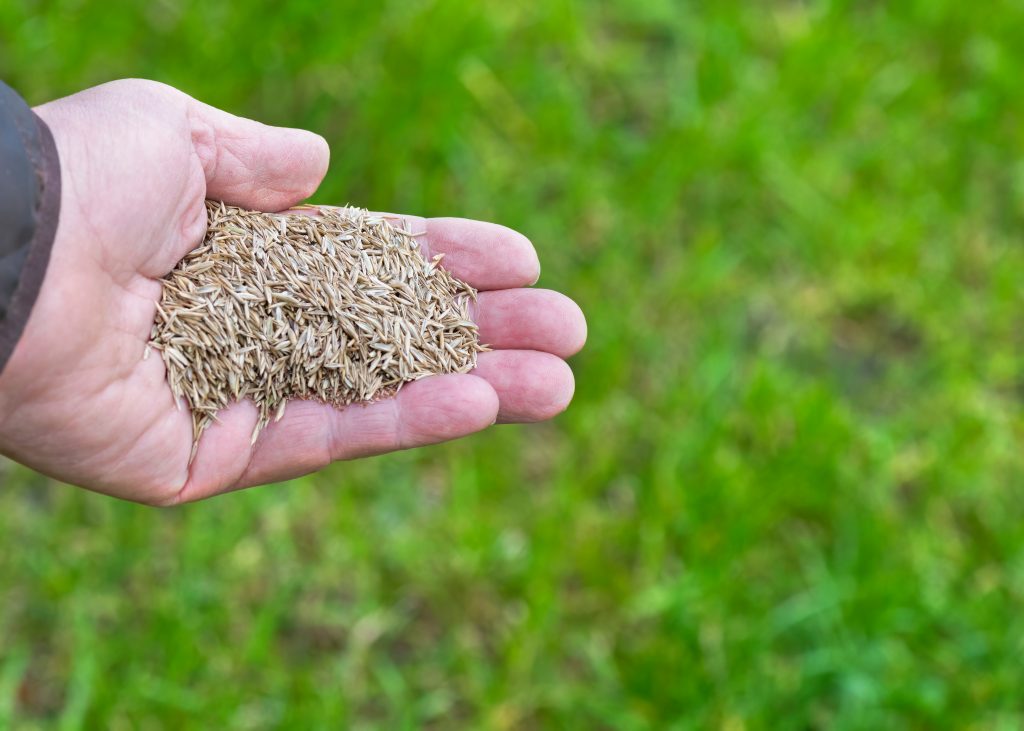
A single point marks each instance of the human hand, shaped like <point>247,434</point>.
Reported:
<point>77,399</point>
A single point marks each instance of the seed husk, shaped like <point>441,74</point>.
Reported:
<point>336,305</point>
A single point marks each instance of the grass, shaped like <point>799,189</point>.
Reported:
<point>788,493</point>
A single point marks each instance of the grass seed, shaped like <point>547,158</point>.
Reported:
<point>338,306</point>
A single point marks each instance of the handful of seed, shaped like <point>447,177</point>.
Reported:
<point>339,307</point>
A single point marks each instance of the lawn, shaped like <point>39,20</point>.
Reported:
<point>789,493</point>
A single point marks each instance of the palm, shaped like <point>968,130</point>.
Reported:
<point>103,416</point>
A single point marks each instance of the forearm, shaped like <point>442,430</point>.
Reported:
<point>29,210</point>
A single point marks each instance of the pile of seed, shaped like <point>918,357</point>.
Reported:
<point>337,306</point>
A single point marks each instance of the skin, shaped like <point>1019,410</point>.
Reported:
<point>79,403</point>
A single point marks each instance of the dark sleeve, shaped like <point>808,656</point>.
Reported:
<point>29,207</point>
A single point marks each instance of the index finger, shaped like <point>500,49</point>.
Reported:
<point>484,255</point>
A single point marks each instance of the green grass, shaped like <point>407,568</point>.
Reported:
<point>788,494</point>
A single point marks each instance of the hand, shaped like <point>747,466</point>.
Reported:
<point>79,402</point>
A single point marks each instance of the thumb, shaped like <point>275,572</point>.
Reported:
<point>254,165</point>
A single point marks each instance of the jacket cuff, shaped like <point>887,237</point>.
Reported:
<point>29,209</point>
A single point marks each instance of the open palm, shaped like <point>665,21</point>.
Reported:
<point>78,400</point>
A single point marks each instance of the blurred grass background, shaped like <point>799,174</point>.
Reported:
<point>788,493</point>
